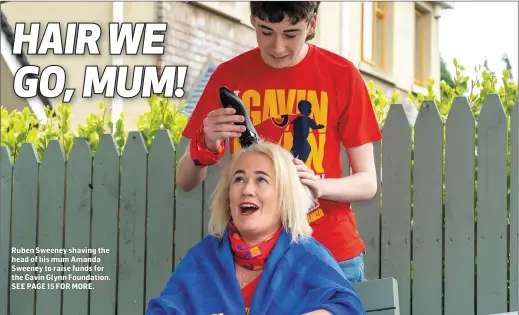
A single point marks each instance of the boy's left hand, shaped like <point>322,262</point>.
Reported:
<point>308,178</point>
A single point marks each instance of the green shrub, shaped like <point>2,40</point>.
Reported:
<point>476,90</point>
<point>18,127</point>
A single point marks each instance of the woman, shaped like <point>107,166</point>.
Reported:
<point>259,257</point>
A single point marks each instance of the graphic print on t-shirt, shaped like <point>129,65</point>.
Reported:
<point>295,119</point>
<point>301,131</point>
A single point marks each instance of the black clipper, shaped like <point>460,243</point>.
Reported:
<point>229,99</point>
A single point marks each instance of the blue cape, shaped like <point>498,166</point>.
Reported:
<point>297,278</point>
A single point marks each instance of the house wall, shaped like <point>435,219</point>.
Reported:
<point>196,34</point>
<point>7,96</point>
<point>399,47</point>
<point>329,29</point>
<point>218,31</point>
<point>98,12</point>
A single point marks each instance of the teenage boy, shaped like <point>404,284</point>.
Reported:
<point>309,100</point>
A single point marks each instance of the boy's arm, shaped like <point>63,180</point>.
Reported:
<point>359,186</point>
<point>188,174</point>
<point>358,129</point>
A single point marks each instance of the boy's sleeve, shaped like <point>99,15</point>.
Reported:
<point>358,123</point>
<point>209,101</point>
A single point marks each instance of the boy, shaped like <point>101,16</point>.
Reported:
<point>310,101</point>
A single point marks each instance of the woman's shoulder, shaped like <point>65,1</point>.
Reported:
<point>311,250</point>
<point>312,261</point>
<point>309,243</point>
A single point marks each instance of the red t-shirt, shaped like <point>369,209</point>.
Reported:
<point>248,292</point>
<point>310,109</point>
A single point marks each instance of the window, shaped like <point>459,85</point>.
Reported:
<point>419,52</point>
<point>374,32</point>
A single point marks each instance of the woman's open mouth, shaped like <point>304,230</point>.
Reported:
<point>248,208</point>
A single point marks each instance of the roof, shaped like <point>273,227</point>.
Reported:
<point>445,4</point>
<point>22,58</point>
<point>198,87</point>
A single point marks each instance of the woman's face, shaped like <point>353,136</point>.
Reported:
<point>253,197</point>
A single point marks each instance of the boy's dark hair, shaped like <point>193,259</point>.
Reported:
<point>276,11</point>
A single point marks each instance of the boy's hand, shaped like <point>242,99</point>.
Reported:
<point>308,178</point>
<point>219,125</point>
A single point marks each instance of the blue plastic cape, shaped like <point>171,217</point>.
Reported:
<point>298,278</point>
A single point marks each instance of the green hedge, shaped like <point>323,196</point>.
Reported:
<point>18,127</point>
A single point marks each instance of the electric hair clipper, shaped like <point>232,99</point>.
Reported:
<point>229,99</point>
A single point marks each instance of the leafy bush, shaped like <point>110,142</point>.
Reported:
<point>476,90</point>
<point>18,127</point>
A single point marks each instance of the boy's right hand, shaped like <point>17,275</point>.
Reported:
<point>219,125</point>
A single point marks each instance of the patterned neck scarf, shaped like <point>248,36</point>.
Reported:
<point>252,258</point>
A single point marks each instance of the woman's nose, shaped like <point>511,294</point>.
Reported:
<point>248,189</point>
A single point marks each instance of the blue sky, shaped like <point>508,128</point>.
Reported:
<point>473,30</point>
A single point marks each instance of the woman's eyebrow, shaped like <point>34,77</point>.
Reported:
<point>255,172</point>
<point>261,172</point>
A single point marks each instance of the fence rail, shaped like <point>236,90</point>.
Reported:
<point>443,222</point>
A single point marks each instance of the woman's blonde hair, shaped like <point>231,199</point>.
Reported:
<point>294,198</point>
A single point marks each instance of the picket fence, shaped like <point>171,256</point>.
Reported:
<point>417,230</point>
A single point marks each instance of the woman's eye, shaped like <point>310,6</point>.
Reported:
<point>261,179</point>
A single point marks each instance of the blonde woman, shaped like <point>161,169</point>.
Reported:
<point>259,258</point>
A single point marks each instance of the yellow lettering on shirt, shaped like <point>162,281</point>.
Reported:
<point>277,102</point>
<point>252,101</point>
<point>315,215</point>
<point>271,107</point>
